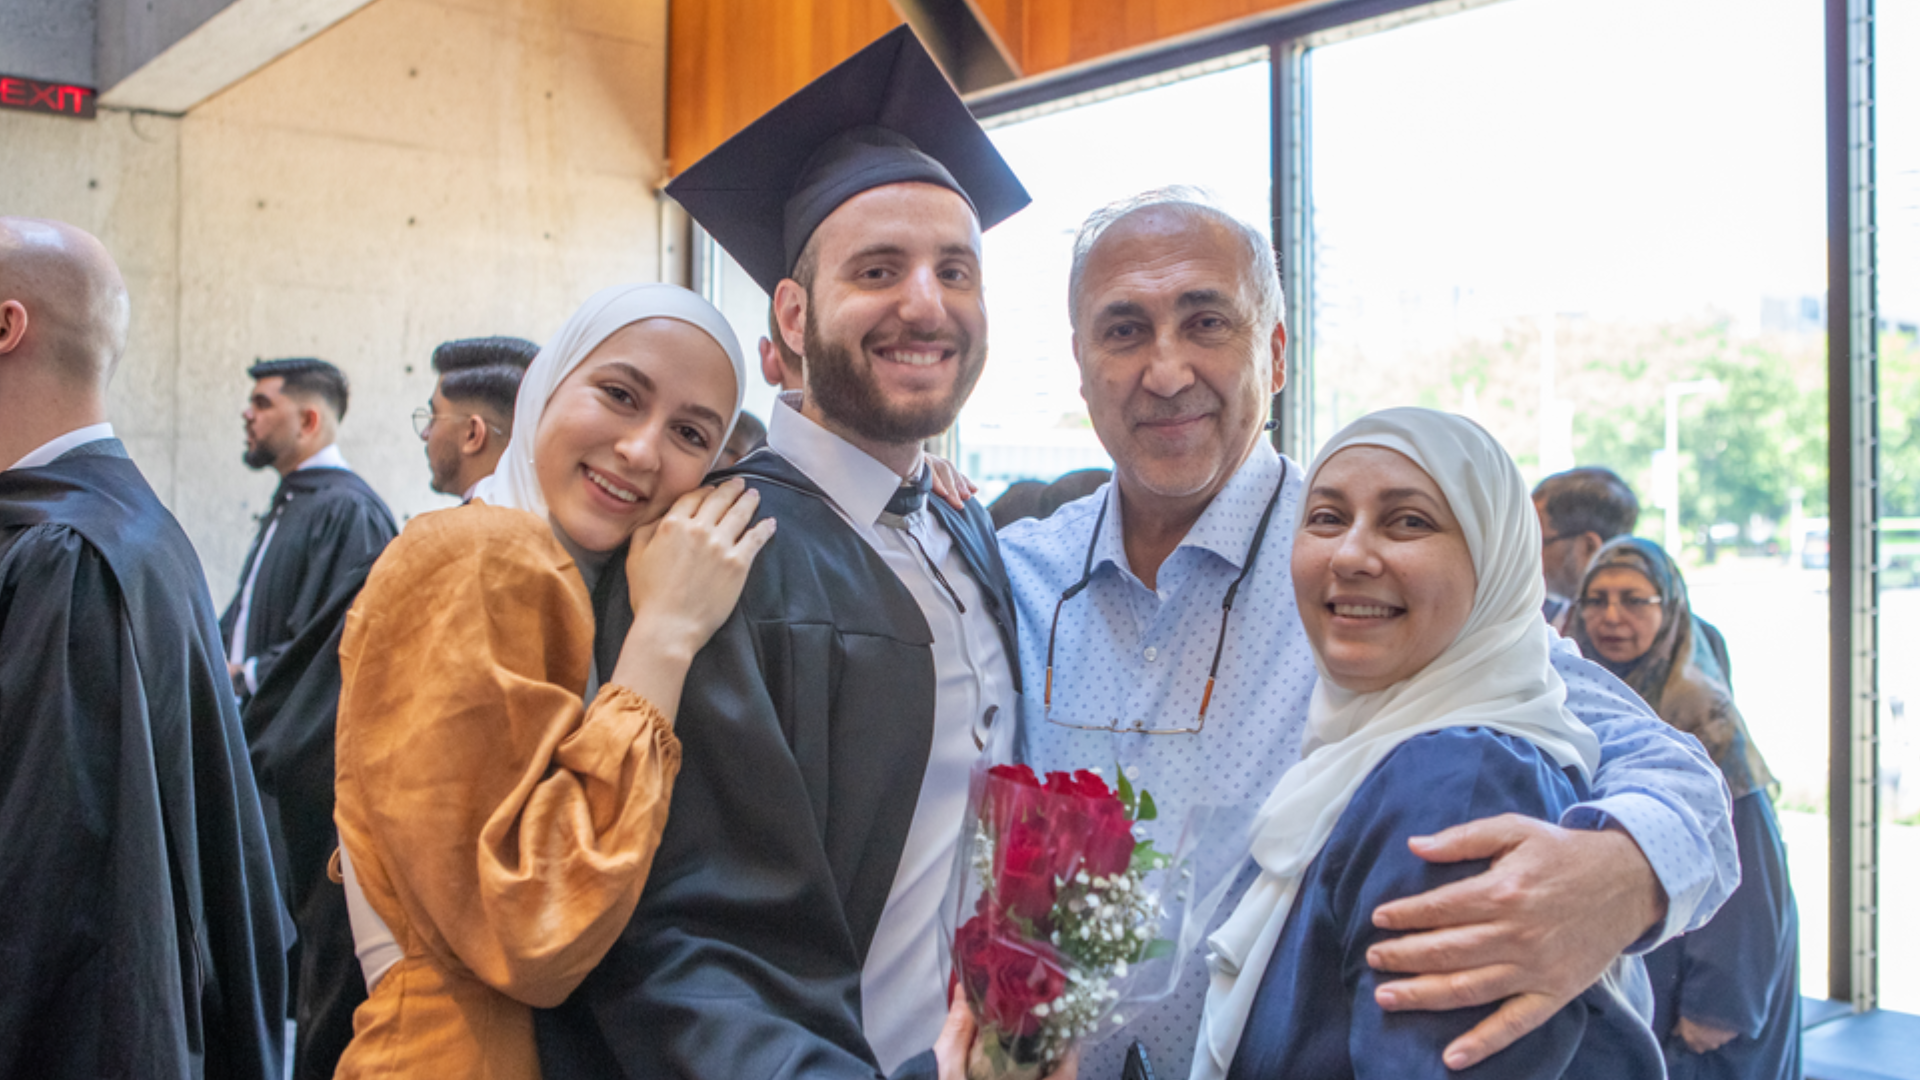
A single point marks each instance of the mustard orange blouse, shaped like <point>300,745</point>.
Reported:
<point>503,832</point>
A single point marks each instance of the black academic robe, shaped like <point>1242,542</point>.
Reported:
<point>330,522</point>
<point>805,728</point>
<point>144,934</point>
<point>290,725</point>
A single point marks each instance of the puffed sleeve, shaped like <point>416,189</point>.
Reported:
<point>493,822</point>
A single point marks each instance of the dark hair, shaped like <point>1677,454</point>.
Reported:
<point>486,370</point>
<point>307,376</point>
<point>750,425</point>
<point>1589,499</point>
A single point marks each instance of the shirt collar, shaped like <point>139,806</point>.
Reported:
<point>1225,527</point>
<point>328,457</point>
<point>858,484</point>
<point>46,452</point>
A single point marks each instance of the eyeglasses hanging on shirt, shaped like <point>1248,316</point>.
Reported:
<point>907,501</point>
<point>1140,727</point>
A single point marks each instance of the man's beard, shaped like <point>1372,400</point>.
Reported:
<point>259,456</point>
<point>846,394</point>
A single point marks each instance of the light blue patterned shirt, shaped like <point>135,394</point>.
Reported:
<point>1127,652</point>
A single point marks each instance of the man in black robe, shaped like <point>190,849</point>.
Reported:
<point>313,548</point>
<point>324,520</point>
<point>145,938</point>
<point>790,922</point>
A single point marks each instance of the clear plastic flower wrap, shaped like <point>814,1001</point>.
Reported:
<point>1068,913</point>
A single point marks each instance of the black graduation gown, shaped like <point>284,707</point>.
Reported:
<point>331,522</point>
<point>290,726</point>
<point>144,935</point>
<point>805,727</point>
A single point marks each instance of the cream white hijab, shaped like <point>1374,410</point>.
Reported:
<point>1495,675</point>
<point>514,482</point>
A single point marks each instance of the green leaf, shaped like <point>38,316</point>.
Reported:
<point>1148,811</point>
<point>1123,787</point>
<point>1156,949</point>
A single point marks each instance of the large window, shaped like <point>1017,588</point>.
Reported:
<point>1609,246</point>
<point>1898,218</point>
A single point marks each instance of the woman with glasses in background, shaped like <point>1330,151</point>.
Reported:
<point>1727,996</point>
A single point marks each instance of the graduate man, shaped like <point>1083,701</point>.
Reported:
<point>145,934</point>
<point>1179,654</point>
<point>469,417</point>
<point>323,521</point>
<point>789,924</point>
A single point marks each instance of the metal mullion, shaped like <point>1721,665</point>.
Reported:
<point>1853,494</point>
<point>1288,64</point>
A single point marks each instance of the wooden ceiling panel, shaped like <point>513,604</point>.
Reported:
<point>728,61</point>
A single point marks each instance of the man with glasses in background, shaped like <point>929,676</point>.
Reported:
<point>1159,633</point>
<point>468,420</point>
<point>1580,510</point>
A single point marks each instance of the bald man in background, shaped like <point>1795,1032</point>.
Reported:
<point>144,936</point>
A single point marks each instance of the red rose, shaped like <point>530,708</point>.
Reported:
<point>1103,833</point>
<point>1011,793</point>
<point>1006,976</point>
<point>1024,882</point>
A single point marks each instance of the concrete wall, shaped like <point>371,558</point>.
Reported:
<point>425,169</point>
<point>49,40</point>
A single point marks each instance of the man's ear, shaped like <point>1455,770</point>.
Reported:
<point>1590,545</point>
<point>310,420</point>
<point>474,441</point>
<point>1080,363</point>
<point>790,308</point>
<point>1279,357</point>
<point>13,325</point>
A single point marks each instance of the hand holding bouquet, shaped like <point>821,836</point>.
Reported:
<point>1066,914</point>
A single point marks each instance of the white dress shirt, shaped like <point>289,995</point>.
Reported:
<point>904,982</point>
<point>328,457</point>
<point>1128,652</point>
<point>46,452</point>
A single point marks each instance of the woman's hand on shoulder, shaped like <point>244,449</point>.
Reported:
<point>685,572</point>
<point>950,483</point>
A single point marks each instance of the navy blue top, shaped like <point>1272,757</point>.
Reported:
<point>1314,1017</point>
<point>1741,971</point>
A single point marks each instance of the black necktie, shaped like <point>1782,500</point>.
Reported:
<point>908,499</point>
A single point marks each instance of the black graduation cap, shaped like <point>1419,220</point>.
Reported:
<point>885,115</point>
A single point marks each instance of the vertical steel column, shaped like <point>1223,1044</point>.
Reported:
<point>1293,240</point>
<point>1853,511</point>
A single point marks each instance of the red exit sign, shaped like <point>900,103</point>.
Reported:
<point>32,95</point>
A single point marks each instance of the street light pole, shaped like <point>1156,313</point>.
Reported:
<point>1670,471</point>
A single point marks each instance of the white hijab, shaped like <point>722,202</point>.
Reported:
<point>515,482</point>
<point>1494,675</point>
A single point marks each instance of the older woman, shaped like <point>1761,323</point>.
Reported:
<point>500,802</point>
<point>1416,561</point>
<point>1727,996</point>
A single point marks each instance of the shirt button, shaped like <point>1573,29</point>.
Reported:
<point>1151,653</point>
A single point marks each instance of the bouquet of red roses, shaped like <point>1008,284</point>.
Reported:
<point>1066,913</point>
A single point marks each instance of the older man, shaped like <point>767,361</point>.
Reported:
<point>143,935</point>
<point>789,924</point>
<point>1183,656</point>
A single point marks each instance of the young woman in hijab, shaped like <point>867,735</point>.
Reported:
<point>1416,563</point>
<point>1727,996</point>
<point>499,802</point>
